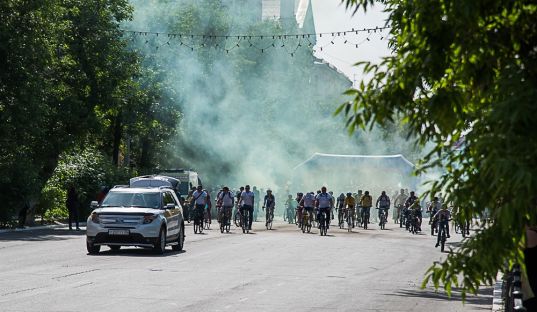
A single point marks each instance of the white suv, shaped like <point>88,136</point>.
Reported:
<point>146,217</point>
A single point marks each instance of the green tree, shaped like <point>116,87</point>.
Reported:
<point>66,78</point>
<point>463,76</point>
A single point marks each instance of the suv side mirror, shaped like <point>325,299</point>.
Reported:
<point>170,206</point>
<point>94,204</point>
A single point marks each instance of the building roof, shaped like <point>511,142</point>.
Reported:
<point>372,161</point>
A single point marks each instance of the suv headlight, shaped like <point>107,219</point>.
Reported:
<point>94,217</point>
<point>149,218</point>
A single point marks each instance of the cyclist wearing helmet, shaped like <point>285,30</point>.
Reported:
<point>350,203</point>
<point>269,202</point>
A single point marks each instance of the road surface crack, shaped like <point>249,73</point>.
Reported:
<point>73,274</point>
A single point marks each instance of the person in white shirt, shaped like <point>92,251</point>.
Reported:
<point>308,202</point>
<point>199,201</point>
<point>247,203</point>
<point>225,201</point>
<point>324,201</point>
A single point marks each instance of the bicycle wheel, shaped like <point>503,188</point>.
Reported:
<point>237,220</point>
<point>245,221</point>
<point>442,239</point>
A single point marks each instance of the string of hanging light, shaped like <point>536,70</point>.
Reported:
<point>290,43</point>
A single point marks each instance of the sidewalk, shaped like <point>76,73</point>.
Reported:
<point>39,227</point>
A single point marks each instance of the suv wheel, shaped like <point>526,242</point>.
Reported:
<point>92,249</point>
<point>160,245</point>
<point>180,240</point>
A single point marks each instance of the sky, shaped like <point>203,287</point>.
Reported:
<point>331,16</point>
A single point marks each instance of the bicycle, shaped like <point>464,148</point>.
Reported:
<point>298,216</point>
<point>198,221</point>
<point>402,216</point>
<point>442,235</point>
<point>350,223</point>
<point>341,218</point>
<point>225,223</point>
<point>245,221</point>
<point>462,226</point>
<point>269,217</point>
<point>237,218</point>
<point>206,219</point>
<point>414,221</point>
<point>383,218</point>
<point>323,220</point>
<point>365,217</point>
<point>358,216</point>
<point>306,222</point>
<point>290,215</point>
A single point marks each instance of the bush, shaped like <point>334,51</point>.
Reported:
<point>87,170</point>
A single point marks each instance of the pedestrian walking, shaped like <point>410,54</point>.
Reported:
<point>72,207</point>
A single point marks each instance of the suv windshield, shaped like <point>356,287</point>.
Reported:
<point>146,200</point>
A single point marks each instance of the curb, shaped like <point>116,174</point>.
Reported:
<point>36,228</point>
<point>497,300</point>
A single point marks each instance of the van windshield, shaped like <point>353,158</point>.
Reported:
<point>144,200</point>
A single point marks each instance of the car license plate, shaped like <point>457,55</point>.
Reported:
<point>118,232</point>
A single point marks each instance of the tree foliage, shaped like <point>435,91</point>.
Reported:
<point>67,80</point>
<point>463,76</point>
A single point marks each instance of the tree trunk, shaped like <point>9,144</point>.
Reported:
<point>117,139</point>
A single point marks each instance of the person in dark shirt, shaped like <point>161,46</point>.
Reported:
<point>72,207</point>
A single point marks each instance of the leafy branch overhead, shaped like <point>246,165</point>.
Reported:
<point>463,76</point>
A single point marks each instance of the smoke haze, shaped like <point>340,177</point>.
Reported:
<point>249,116</point>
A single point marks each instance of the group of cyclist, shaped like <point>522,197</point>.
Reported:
<point>356,208</point>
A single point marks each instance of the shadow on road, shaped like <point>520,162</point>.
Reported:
<point>41,235</point>
<point>483,297</point>
<point>136,252</point>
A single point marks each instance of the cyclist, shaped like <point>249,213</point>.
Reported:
<point>199,201</point>
<point>225,202</point>
<point>383,205</point>
<point>340,207</point>
<point>324,202</point>
<point>432,208</point>
<point>398,203</point>
<point>366,201</point>
<point>415,211</point>
<point>357,198</point>
<point>298,209</point>
<point>308,202</point>
<point>350,203</point>
<point>332,211</point>
<point>443,215</point>
<point>269,202</point>
<point>256,204</point>
<point>289,208</point>
<point>238,200</point>
<point>209,205</point>
<point>247,204</point>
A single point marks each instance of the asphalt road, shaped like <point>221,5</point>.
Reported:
<point>277,270</point>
